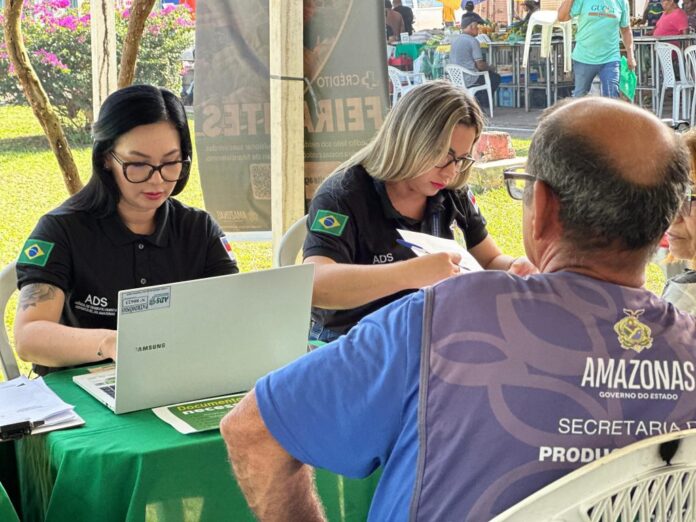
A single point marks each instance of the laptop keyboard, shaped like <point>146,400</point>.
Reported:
<point>110,390</point>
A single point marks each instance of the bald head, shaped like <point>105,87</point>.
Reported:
<point>618,172</point>
<point>633,140</point>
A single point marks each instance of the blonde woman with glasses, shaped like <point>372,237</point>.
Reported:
<point>681,289</point>
<point>412,175</point>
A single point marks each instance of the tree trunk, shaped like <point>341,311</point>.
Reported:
<point>36,96</point>
<point>139,11</point>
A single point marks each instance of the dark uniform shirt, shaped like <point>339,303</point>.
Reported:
<point>91,259</point>
<point>351,220</point>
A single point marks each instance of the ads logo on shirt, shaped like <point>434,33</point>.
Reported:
<point>329,222</point>
<point>96,305</point>
<point>632,334</point>
<point>35,252</point>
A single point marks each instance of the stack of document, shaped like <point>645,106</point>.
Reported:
<point>30,407</point>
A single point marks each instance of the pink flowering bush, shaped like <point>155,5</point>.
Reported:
<point>58,38</point>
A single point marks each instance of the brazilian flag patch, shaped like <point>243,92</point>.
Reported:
<point>329,222</point>
<point>35,252</point>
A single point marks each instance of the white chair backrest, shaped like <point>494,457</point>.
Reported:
<point>690,63</point>
<point>664,56</point>
<point>291,243</point>
<point>395,77</point>
<point>456,74</point>
<point>8,284</point>
<point>654,479</point>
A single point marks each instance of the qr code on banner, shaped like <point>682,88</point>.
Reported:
<point>260,176</point>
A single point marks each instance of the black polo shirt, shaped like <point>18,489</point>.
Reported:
<point>351,220</point>
<point>91,259</point>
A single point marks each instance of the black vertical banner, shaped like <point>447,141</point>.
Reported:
<point>345,98</point>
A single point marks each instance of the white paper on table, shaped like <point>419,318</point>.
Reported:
<point>22,399</point>
<point>431,245</point>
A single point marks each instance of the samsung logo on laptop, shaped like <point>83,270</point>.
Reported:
<point>150,347</point>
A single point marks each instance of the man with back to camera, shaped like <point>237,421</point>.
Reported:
<point>394,20</point>
<point>406,13</point>
<point>541,375</point>
<point>469,12</point>
<point>466,51</point>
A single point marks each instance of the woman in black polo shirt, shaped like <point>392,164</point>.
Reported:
<point>412,175</point>
<point>122,230</point>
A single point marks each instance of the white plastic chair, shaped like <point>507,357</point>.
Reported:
<point>548,21</point>
<point>690,65</point>
<point>391,49</point>
<point>664,53</point>
<point>8,284</point>
<point>401,83</point>
<point>291,243</point>
<point>457,75</point>
<point>651,480</point>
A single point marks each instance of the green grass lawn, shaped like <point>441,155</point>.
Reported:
<point>31,184</point>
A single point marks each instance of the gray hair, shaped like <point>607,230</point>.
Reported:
<point>599,207</point>
<point>416,133</point>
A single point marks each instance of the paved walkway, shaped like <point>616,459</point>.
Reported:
<point>518,122</point>
<point>521,124</point>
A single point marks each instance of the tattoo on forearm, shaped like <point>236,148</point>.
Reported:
<point>36,293</point>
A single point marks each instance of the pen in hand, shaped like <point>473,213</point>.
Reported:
<point>413,246</point>
<point>407,244</point>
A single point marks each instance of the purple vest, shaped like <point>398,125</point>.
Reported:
<point>524,380</point>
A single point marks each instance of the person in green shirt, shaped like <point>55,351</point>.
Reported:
<point>596,53</point>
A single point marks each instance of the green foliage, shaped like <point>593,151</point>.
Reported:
<point>521,146</point>
<point>168,32</point>
<point>58,41</point>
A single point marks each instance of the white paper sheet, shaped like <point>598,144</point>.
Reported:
<point>428,244</point>
<point>22,399</point>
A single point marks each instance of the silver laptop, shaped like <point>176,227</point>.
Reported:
<point>197,339</point>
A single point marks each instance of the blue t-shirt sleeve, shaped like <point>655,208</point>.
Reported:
<point>341,407</point>
<point>576,9</point>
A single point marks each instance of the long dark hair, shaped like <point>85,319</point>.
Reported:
<point>122,111</point>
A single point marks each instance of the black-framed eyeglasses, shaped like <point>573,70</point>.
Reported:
<point>462,162</point>
<point>516,181</point>
<point>140,172</point>
<point>687,205</point>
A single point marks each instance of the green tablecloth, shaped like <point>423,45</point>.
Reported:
<point>410,49</point>
<point>134,467</point>
<point>7,511</point>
